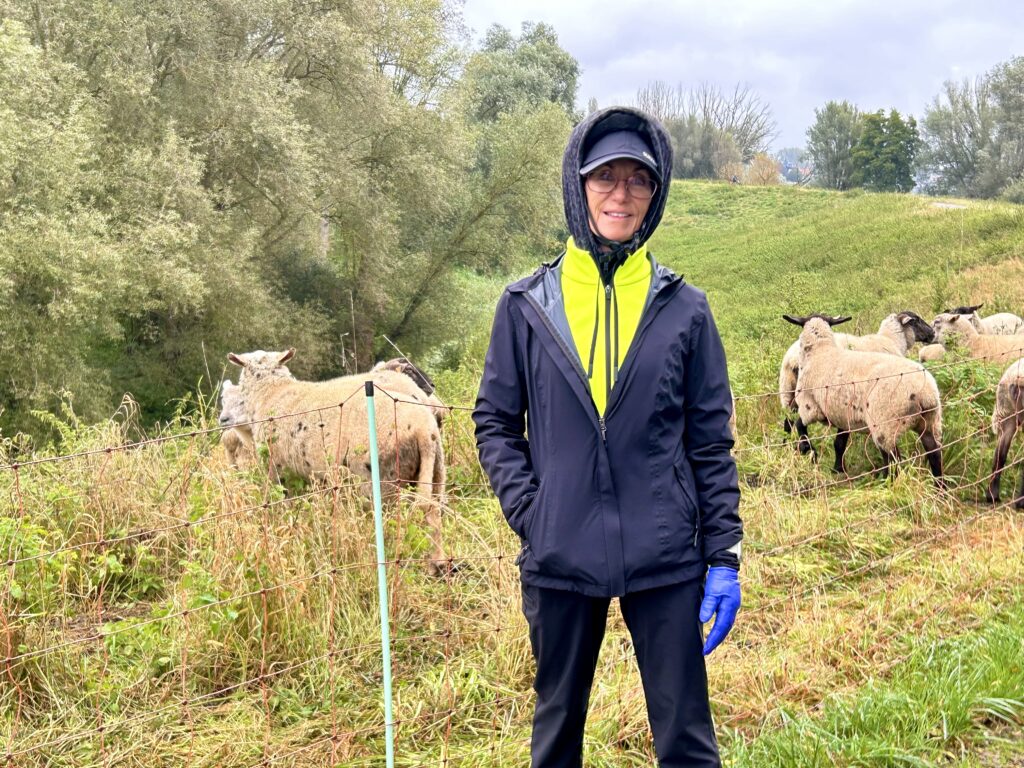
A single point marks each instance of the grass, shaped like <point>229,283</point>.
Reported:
<point>165,609</point>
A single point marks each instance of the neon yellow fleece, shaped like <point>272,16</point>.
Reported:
<point>586,299</point>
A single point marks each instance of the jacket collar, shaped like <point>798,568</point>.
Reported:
<point>578,265</point>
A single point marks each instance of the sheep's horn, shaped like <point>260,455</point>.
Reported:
<point>287,356</point>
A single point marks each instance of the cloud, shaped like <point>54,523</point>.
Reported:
<point>794,54</point>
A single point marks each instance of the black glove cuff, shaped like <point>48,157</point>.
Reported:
<point>725,559</point>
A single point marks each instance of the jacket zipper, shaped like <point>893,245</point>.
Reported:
<point>640,330</point>
<point>607,344</point>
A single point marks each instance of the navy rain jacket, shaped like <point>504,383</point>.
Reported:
<point>646,495</point>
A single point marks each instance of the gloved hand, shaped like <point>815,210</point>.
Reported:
<point>721,600</point>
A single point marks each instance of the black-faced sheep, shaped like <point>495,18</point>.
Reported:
<point>1007,418</point>
<point>884,394</point>
<point>999,324</point>
<point>896,334</point>
<point>309,432</point>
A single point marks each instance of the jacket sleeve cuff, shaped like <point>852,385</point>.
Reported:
<point>725,559</point>
<point>724,550</point>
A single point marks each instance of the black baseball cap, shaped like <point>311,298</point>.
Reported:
<point>618,145</point>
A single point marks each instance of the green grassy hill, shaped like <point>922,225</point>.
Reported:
<point>160,608</point>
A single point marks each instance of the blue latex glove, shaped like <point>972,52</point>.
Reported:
<point>721,600</point>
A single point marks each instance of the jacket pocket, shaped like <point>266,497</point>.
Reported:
<point>692,514</point>
<point>524,517</point>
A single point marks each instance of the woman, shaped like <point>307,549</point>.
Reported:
<point>626,486</point>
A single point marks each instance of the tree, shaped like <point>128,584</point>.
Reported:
<point>883,157</point>
<point>530,70</point>
<point>709,129</point>
<point>1007,83</point>
<point>830,143</point>
<point>701,149</point>
<point>763,170</point>
<point>228,175</point>
<point>973,134</point>
<point>958,132</point>
<point>117,267</point>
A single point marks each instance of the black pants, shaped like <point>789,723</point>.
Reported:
<point>566,630</point>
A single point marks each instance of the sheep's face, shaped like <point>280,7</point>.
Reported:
<point>915,328</point>
<point>947,326</point>
<point>232,405</point>
<point>262,365</point>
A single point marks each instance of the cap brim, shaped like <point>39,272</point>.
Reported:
<point>620,155</point>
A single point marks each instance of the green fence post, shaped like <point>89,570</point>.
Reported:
<point>382,582</point>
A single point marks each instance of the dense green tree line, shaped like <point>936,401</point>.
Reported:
<point>970,142</point>
<point>180,178</point>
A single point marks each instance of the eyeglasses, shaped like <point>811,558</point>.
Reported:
<point>638,185</point>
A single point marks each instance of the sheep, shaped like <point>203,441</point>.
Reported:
<point>999,324</point>
<point>986,347</point>
<point>896,334</point>
<point>426,387</point>
<point>310,432</point>
<point>931,353</point>
<point>1007,418</point>
<point>884,394</point>
<point>237,436</point>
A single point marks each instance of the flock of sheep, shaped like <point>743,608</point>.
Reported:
<point>867,383</point>
<point>849,382</point>
<point>312,428</point>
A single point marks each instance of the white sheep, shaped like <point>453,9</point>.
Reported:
<point>986,347</point>
<point>896,334</point>
<point>884,394</point>
<point>999,324</point>
<point>237,436</point>
<point>312,428</point>
<point>1007,418</point>
<point>931,353</point>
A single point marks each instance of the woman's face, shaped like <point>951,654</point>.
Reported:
<point>617,214</point>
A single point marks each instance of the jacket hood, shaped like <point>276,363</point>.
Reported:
<point>583,137</point>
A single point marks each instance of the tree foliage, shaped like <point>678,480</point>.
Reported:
<point>183,178</point>
<point>883,158</point>
<point>973,134</point>
<point>510,73</point>
<point>830,143</point>
<point>710,129</point>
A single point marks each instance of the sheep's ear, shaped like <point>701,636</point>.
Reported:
<point>286,356</point>
<point>227,385</point>
<point>379,366</point>
<point>976,307</point>
<point>236,359</point>
<point>796,320</point>
<point>839,319</point>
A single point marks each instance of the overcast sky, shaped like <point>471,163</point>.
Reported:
<point>794,54</point>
